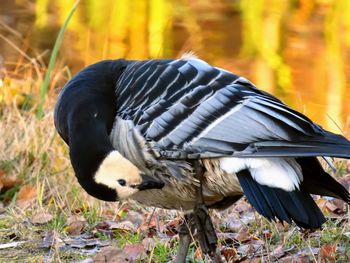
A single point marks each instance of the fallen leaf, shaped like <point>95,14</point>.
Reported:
<point>229,253</point>
<point>232,223</point>
<point>84,241</point>
<point>149,243</point>
<point>111,255</point>
<point>252,260</point>
<point>198,254</point>
<point>135,218</point>
<point>267,234</point>
<point>124,225</point>
<point>333,208</point>
<point>135,251</point>
<point>41,218</point>
<point>8,182</point>
<point>278,252</point>
<point>26,195</point>
<point>249,249</point>
<point>288,259</point>
<point>339,206</point>
<point>242,206</point>
<point>243,235</point>
<point>52,239</point>
<point>172,227</point>
<point>328,252</point>
<point>227,237</point>
<point>75,224</point>
<point>102,226</point>
<point>150,221</point>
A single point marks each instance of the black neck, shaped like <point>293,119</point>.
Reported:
<point>84,117</point>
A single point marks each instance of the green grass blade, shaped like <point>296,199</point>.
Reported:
<point>44,87</point>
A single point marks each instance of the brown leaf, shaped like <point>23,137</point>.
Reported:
<point>243,235</point>
<point>111,255</point>
<point>75,224</point>
<point>26,195</point>
<point>150,221</point>
<point>171,228</point>
<point>229,253</point>
<point>198,254</point>
<point>41,218</point>
<point>339,206</point>
<point>135,251</point>
<point>328,252</point>
<point>102,226</point>
<point>7,182</point>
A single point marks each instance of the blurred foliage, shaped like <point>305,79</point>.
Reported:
<point>298,50</point>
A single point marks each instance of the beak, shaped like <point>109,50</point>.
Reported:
<point>148,182</point>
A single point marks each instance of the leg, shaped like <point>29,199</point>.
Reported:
<point>185,238</point>
<point>205,229</point>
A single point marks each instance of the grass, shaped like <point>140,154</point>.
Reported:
<point>45,85</point>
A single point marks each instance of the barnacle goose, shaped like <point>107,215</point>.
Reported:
<point>136,129</point>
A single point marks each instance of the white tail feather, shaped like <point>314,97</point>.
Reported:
<point>283,173</point>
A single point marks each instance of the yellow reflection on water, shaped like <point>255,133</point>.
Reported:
<point>298,50</point>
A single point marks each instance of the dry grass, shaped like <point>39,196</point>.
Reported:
<point>33,155</point>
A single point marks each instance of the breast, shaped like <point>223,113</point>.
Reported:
<point>181,195</point>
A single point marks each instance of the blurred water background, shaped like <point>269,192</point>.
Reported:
<point>298,50</point>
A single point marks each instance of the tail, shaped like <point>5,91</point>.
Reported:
<point>317,181</point>
<point>296,205</point>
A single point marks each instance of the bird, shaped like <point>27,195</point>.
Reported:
<point>183,134</point>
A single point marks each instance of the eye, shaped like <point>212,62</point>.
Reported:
<point>122,182</point>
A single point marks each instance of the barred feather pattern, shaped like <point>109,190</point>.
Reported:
<point>172,111</point>
<point>189,110</point>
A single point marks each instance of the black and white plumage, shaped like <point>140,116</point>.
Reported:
<point>133,128</point>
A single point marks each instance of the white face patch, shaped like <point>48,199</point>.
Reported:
<point>115,167</point>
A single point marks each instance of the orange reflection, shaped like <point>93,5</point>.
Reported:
<point>297,50</point>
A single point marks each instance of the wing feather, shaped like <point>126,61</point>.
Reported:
<point>189,109</point>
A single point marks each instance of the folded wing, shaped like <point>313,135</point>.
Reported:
<point>190,109</point>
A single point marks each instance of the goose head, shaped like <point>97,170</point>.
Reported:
<point>84,116</point>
